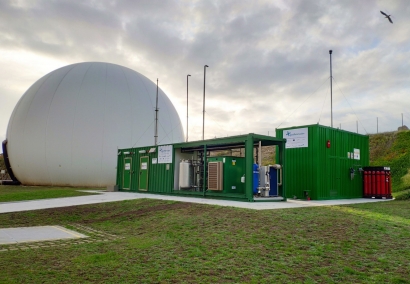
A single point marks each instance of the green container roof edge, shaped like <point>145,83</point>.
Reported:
<point>227,140</point>
<point>215,141</point>
<point>321,126</point>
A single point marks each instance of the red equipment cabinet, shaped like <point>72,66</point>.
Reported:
<point>376,182</point>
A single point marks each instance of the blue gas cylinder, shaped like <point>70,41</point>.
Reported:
<point>255,178</point>
<point>273,181</point>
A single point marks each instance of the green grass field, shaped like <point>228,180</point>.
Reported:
<point>9,193</point>
<point>172,242</point>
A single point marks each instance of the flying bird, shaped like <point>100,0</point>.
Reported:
<point>387,16</point>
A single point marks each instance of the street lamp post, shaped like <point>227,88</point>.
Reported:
<point>203,114</point>
<point>187,107</point>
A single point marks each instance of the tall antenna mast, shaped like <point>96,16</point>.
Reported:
<point>203,106</point>
<point>187,107</point>
<point>331,90</point>
<point>156,118</point>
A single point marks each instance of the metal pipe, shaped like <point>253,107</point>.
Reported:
<point>203,104</point>
<point>204,179</point>
<point>259,158</point>
<point>331,90</point>
<point>187,107</point>
<point>156,118</point>
<point>279,168</point>
<point>377,125</point>
<point>260,153</point>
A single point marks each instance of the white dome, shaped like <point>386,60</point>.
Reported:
<point>66,128</point>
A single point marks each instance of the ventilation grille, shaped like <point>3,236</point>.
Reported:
<point>215,175</point>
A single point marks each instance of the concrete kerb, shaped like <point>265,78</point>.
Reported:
<point>104,196</point>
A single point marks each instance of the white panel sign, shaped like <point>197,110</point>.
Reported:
<point>127,166</point>
<point>143,166</point>
<point>296,138</point>
<point>154,160</point>
<point>165,154</point>
<point>356,153</point>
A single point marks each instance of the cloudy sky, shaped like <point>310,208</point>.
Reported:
<point>268,60</point>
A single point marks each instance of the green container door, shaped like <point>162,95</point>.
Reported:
<point>126,178</point>
<point>334,177</point>
<point>143,180</point>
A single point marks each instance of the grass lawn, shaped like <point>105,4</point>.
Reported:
<point>9,193</point>
<point>173,242</point>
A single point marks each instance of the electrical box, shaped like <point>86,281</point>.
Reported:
<point>233,169</point>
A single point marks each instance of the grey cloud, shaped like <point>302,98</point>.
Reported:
<point>261,56</point>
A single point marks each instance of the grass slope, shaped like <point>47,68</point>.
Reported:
<point>10,193</point>
<point>393,149</point>
<point>172,242</point>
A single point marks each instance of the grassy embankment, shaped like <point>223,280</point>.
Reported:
<point>172,242</point>
<point>393,149</point>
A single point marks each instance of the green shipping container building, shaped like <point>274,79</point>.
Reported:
<point>323,162</point>
<point>196,169</point>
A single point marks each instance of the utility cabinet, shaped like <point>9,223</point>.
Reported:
<point>229,172</point>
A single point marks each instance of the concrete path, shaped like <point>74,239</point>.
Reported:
<point>7,207</point>
<point>35,234</point>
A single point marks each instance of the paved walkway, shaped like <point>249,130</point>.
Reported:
<point>37,233</point>
<point>7,207</point>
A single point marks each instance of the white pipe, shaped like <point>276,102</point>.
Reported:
<point>278,167</point>
<point>260,154</point>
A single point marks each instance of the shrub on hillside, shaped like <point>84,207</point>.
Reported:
<point>405,195</point>
<point>394,154</point>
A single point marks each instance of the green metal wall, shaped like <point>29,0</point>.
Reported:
<point>160,176</point>
<point>324,172</point>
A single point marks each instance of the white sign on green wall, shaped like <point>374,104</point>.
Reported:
<point>296,138</point>
<point>165,154</point>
